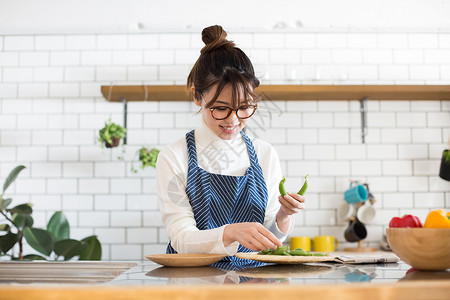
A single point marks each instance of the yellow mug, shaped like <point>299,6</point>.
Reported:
<point>325,243</point>
<point>303,242</point>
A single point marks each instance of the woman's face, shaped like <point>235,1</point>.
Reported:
<point>228,128</point>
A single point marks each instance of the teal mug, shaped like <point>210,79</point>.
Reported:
<point>356,193</point>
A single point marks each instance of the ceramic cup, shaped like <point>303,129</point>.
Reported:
<point>355,232</point>
<point>325,243</point>
<point>346,211</point>
<point>366,213</point>
<point>356,193</point>
<point>303,242</point>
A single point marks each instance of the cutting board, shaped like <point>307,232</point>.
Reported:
<point>284,259</point>
<point>185,259</point>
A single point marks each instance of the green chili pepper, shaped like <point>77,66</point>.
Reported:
<point>320,254</point>
<point>281,187</point>
<point>304,187</point>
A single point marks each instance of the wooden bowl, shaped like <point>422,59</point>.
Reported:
<point>422,248</point>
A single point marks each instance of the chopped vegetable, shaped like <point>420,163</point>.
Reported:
<point>285,251</point>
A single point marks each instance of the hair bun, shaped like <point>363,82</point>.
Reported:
<point>213,33</point>
<point>214,37</point>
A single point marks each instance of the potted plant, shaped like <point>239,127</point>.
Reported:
<point>147,157</point>
<point>54,241</point>
<point>111,134</point>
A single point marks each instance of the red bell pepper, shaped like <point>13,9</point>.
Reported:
<point>405,221</point>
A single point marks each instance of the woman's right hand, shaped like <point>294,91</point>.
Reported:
<point>251,235</point>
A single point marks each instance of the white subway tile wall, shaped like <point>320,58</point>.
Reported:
<point>51,110</point>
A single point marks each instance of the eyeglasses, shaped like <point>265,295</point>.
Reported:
<point>223,112</point>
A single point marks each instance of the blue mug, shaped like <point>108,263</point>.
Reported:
<point>356,193</point>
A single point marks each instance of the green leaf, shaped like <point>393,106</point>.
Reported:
<point>8,241</point>
<point>23,221</point>
<point>22,209</point>
<point>93,250</point>
<point>59,226</point>
<point>12,176</point>
<point>69,248</point>
<point>39,239</point>
<point>4,203</point>
<point>34,257</point>
<point>4,227</point>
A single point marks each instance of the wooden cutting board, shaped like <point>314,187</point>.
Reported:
<point>185,259</point>
<point>283,259</point>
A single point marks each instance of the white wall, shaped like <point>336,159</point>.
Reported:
<point>51,109</point>
<point>53,16</point>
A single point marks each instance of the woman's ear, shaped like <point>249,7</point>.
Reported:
<point>196,100</point>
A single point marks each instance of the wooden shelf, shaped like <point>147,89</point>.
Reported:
<point>117,93</point>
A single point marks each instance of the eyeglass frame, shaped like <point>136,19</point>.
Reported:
<point>255,106</point>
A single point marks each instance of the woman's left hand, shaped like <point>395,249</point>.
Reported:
<point>291,204</point>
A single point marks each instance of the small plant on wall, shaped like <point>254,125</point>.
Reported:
<point>147,157</point>
<point>111,134</point>
<point>54,241</point>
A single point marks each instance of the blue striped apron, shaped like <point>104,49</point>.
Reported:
<point>218,199</point>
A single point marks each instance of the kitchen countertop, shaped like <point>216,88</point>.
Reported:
<point>147,280</point>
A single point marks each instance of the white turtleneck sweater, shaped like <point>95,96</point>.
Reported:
<point>215,155</point>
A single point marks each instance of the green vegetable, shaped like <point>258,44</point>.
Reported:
<point>299,252</point>
<point>285,251</point>
<point>281,251</point>
<point>281,187</point>
<point>265,252</point>
<point>301,192</point>
<point>304,187</point>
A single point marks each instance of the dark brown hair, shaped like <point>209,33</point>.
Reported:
<point>222,63</point>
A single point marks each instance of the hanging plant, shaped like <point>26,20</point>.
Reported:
<point>54,241</point>
<point>147,157</point>
<point>111,134</point>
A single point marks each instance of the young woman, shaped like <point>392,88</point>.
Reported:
<point>217,188</point>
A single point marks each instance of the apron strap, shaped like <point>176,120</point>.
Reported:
<point>192,149</point>
<point>251,150</point>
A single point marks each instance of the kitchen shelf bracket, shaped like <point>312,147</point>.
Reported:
<point>363,111</point>
<point>125,112</point>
